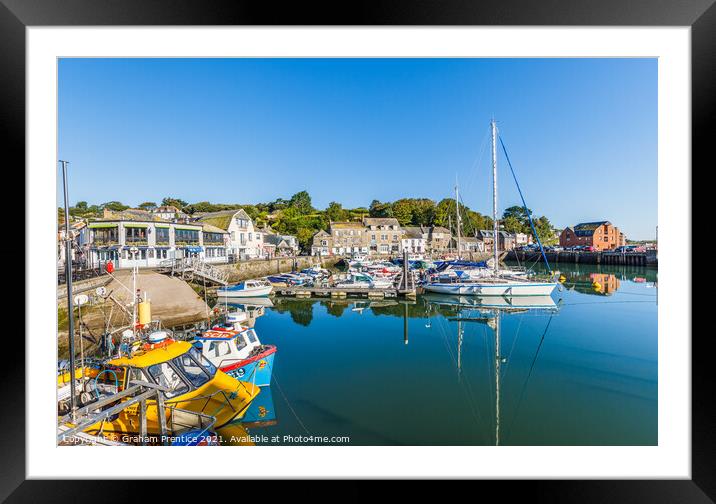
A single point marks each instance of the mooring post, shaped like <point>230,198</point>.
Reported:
<point>405,323</point>
<point>405,269</point>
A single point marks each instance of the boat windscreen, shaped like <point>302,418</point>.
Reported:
<point>191,369</point>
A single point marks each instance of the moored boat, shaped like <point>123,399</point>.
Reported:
<point>238,353</point>
<point>365,281</point>
<point>484,281</point>
<point>248,288</point>
<point>193,384</point>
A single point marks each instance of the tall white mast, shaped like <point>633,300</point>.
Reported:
<point>457,214</point>
<point>496,240</point>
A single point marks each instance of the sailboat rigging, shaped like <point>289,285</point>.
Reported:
<point>481,281</point>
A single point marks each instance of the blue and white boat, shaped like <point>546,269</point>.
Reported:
<point>238,353</point>
<point>288,279</point>
<point>249,288</point>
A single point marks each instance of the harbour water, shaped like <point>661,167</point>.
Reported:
<point>428,372</point>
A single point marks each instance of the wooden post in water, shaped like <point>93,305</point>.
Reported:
<point>405,323</point>
<point>405,270</point>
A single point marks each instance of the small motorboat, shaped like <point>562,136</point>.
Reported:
<point>315,272</point>
<point>238,353</point>
<point>365,281</point>
<point>249,288</point>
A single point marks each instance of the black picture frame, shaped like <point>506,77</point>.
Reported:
<point>700,15</point>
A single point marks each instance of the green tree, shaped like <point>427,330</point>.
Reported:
<point>305,237</point>
<point>114,206</point>
<point>147,205</point>
<point>301,201</point>
<point>545,230</point>
<point>179,203</point>
<point>336,213</point>
<point>423,212</point>
<point>403,211</point>
<point>512,224</point>
<point>378,209</point>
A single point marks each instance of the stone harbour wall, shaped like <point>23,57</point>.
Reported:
<point>257,268</point>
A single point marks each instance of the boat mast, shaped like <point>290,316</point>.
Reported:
<point>68,280</point>
<point>496,240</point>
<point>457,215</point>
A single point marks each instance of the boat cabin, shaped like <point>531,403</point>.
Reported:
<point>172,364</point>
<point>224,348</point>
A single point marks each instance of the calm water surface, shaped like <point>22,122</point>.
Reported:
<point>582,372</point>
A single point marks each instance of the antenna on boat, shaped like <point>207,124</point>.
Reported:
<point>496,240</point>
<point>70,302</point>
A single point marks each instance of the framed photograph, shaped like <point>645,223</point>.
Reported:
<point>434,241</point>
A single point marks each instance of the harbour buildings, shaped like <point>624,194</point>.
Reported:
<point>342,238</point>
<point>414,240</point>
<point>507,241</point>
<point>384,234</point>
<point>146,243</point>
<point>245,242</point>
<point>379,236</point>
<point>437,239</point>
<point>279,245</point>
<point>602,235</point>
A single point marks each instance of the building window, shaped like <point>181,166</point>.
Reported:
<point>184,236</point>
<point>162,235</point>
<point>135,236</point>
<point>213,237</point>
<point>104,236</point>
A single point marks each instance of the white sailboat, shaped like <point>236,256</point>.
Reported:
<point>495,282</point>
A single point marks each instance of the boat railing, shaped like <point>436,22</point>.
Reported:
<point>138,392</point>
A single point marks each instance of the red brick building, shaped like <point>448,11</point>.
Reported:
<point>602,235</point>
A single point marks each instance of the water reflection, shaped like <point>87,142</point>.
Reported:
<point>591,280</point>
<point>577,368</point>
<point>489,311</point>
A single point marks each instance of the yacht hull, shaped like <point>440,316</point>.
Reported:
<point>252,292</point>
<point>492,289</point>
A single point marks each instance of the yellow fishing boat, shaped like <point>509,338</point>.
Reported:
<point>194,384</point>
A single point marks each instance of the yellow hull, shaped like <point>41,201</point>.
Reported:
<point>224,398</point>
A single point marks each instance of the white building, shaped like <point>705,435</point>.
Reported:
<point>522,239</point>
<point>169,213</point>
<point>146,244</point>
<point>471,244</point>
<point>245,242</point>
<point>413,240</point>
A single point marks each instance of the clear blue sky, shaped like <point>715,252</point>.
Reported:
<point>581,133</point>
